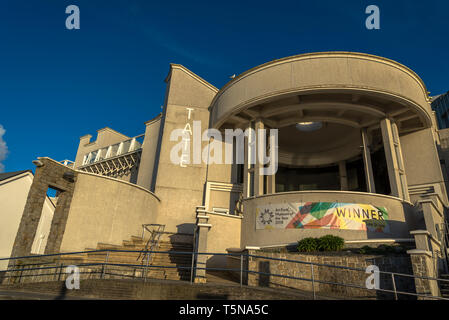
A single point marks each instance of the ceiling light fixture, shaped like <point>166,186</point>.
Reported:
<point>309,126</point>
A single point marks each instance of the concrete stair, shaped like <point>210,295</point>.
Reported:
<point>168,265</point>
<point>444,285</point>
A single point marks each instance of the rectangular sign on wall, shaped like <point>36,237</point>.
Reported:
<point>322,215</point>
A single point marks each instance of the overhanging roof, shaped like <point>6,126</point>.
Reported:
<point>7,175</point>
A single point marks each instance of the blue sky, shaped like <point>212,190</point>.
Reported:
<point>57,84</point>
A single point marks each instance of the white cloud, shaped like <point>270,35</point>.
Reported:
<point>3,148</point>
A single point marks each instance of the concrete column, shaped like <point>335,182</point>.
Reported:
<point>343,176</point>
<point>249,166</point>
<point>271,184</point>
<point>421,239</point>
<point>424,265</point>
<point>428,213</point>
<point>258,178</point>
<point>246,168</point>
<point>393,155</point>
<point>201,259</point>
<point>145,176</point>
<point>400,159</point>
<point>369,177</point>
<point>271,180</point>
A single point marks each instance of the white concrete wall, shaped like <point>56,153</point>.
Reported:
<point>43,229</point>
<point>149,154</point>
<point>13,196</point>
<point>225,233</point>
<point>181,189</point>
<point>106,210</point>
<point>318,72</point>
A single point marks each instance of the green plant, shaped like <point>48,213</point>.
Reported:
<point>330,243</point>
<point>385,248</point>
<point>382,249</point>
<point>308,245</point>
<point>366,250</point>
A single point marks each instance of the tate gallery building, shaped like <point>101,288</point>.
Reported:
<point>357,157</point>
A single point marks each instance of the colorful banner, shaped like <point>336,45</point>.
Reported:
<point>322,215</point>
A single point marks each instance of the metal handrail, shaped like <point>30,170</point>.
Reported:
<point>154,240</point>
<point>194,249</point>
<point>220,253</point>
<point>193,268</point>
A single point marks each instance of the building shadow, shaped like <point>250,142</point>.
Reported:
<point>211,296</point>
<point>264,279</point>
<point>62,292</point>
<point>181,248</point>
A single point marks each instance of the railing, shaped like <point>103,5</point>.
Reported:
<point>153,241</point>
<point>67,163</point>
<point>194,255</point>
<point>55,263</point>
<point>119,149</point>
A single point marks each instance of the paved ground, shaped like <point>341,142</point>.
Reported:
<point>216,281</point>
<point>22,295</point>
<point>219,277</point>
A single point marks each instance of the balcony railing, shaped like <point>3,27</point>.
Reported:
<point>68,163</point>
<point>125,147</point>
<point>115,160</point>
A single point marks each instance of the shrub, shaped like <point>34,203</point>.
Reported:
<point>308,245</point>
<point>366,250</point>
<point>385,248</point>
<point>330,243</point>
<point>382,249</point>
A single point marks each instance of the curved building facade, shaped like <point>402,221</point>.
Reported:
<point>354,130</point>
<point>356,144</point>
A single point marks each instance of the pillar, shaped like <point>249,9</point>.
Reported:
<point>271,184</point>
<point>249,166</point>
<point>395,163</point>
<point>258,178</point>
<point>246,167</point>
<point>49,173</point>
<point>271,179</point>
<point>343,176</point>
<point>202,230</point>
<point>369,176</point>
<point>423,265</point>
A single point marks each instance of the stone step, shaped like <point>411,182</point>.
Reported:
<point>142,247</point>
<point>138,264</point>
<point>173,266</point>
<point>136,239</point>
<point>103,246</point>
<point>128,243</point>
<point>164,247</point>
<point>134,261</point>
<point>158,251</point>
<point>171,256</point>
<point>140,255</point>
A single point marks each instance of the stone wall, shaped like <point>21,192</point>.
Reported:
<point>90,209</point>
<point>50,175</point>
<point>388,263</point>
<point>424,266</point>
